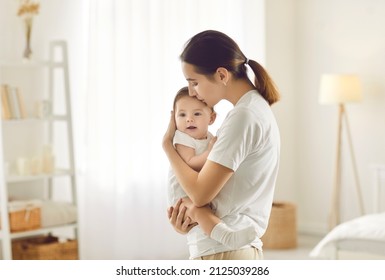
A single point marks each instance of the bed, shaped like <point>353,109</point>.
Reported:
<point>362,237</point>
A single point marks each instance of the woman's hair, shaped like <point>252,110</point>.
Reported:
<point>182,93</point>
<point>209,50</point>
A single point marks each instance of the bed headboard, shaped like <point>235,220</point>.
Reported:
<point>379,187</point>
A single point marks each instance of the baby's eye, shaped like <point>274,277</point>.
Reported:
<point>198,114</point>
<point>181,115</point>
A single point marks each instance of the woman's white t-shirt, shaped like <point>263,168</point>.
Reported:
<point>249,144</point>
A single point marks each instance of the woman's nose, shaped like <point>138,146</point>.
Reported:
<point>191,91</point>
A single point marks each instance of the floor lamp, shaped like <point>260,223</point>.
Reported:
<point>341,89</point>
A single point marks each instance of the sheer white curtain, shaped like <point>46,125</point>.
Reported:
<point>133,74</point>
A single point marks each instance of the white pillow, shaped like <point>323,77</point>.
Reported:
<point>55,213</point>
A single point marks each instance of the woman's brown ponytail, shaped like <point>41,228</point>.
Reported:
<point>263,83</point>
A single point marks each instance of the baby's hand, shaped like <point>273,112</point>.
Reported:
<point>211,144</point>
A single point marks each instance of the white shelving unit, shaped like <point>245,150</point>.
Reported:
<point>57,78</point>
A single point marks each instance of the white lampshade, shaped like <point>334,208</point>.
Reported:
<point>337,88</point>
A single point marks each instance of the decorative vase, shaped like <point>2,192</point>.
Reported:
<point>28,30</point>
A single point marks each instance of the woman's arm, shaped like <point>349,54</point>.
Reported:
<point>201,187</point>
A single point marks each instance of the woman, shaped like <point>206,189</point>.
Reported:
<point>239,175</point>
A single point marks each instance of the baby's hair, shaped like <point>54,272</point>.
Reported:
<point>182,93</point>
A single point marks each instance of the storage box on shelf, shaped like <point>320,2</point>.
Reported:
<point>46,247</point>
<point>24,215</point>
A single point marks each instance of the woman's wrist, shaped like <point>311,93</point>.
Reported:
<point>167,144</point>
<point>170,132</point>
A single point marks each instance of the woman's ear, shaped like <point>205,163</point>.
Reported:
<point>223,75</point>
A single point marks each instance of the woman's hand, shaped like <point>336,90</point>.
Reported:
<point>178,218</point>
<point>170,132</point>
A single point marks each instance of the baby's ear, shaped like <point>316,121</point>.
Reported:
<point>212,117</point>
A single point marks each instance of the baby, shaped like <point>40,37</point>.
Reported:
<point>193,142</point>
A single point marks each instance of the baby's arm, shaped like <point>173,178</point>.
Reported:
<point>196,162</point>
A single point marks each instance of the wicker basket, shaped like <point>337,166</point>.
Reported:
<point>24,215</point>
<point>44,248</point>
<point>281,232</point>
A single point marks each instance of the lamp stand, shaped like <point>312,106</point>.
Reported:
<point>336,196</point>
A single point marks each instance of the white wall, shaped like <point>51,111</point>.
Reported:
<point>280,60</point>
<point>306,38</point>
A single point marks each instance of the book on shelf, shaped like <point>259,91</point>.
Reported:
<point>20,101</point>
<point>6,113</point>
<point>12,103</point>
